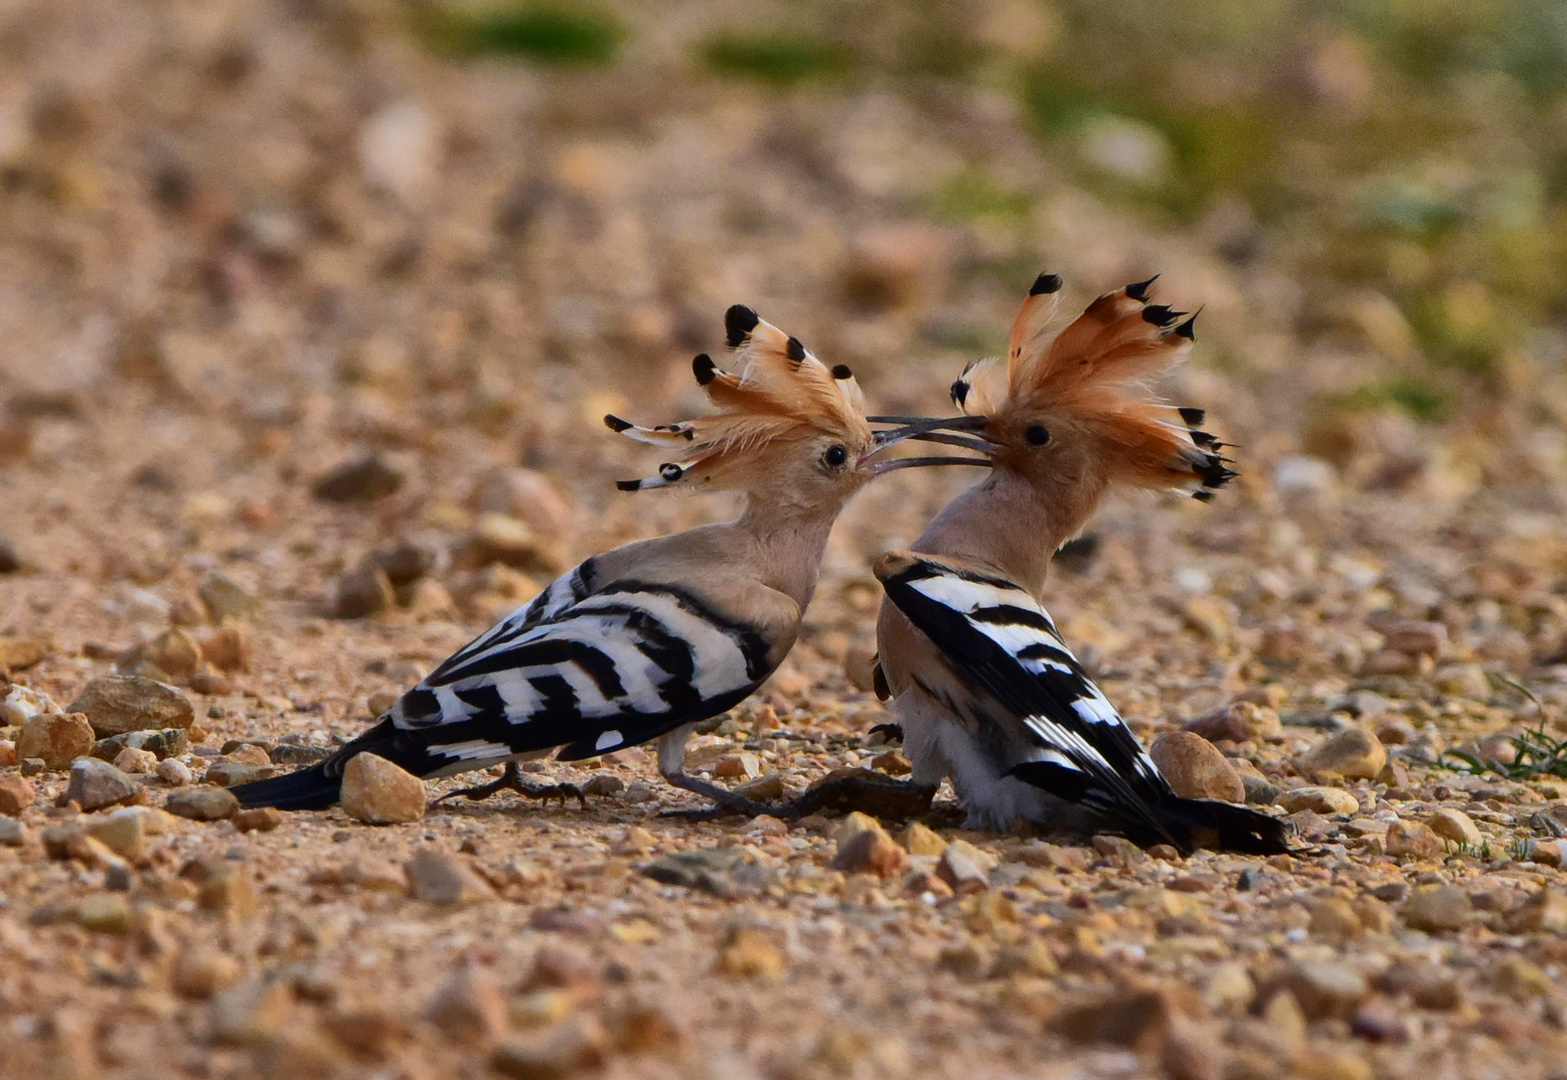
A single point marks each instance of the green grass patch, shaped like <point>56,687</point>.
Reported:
<point>1420,397</point>
<point>1538,754</point>
<point>1214,149</point>
<point>971,194</point>
<point>777,58</point>
<point>543,33</point>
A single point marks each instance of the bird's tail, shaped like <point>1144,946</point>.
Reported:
<point>305,789</point>
<point>1222,826</point>
<point>1184,824</point>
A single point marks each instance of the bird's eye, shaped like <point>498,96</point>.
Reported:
<point>835,457</point>
<point>1037,435</point>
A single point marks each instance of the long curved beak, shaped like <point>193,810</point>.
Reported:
<point>918,462</point>
<point>928,429</point>
<point>908,427</point>
<point>934,429</point>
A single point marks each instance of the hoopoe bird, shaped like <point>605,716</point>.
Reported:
<point>984,688</point>
<point>642,642</point>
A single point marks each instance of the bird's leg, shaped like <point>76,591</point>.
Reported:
<point>725,802</point>
<point>671,765</point>
<point>511,780</point>
<point>862,789</point>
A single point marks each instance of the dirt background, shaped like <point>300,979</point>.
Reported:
<point>243,245</point>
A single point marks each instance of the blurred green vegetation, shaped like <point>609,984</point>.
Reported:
<point>546,33</point>
<point>777,57</point>
<point>1414,149</point>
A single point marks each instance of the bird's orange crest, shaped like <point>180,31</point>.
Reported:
<point>1092,377</point>
<point>781,394</point>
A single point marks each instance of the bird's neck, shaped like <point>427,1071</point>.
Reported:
<point>1006,524</point>
<point>786,544</point>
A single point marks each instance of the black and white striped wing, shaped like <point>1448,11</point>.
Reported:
<point>588,670</point>
<point>1002,638</point>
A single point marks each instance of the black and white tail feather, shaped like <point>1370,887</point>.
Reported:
<point>997,636</point>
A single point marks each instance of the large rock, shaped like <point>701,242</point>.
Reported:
<point>1353,753</point>
<point>95,784</point>
<point>56,739</point>
<point>378,792</point>
<point>115,704</point>
<point>1195,768</point>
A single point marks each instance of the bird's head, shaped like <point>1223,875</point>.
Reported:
<point>788,428</point>
<point>1071,411</point>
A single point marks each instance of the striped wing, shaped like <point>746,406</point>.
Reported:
<point>1001,638</point>
<point>585,667</point>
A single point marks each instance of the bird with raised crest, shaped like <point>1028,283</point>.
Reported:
<point>642,642</point>
<point>986,692</point>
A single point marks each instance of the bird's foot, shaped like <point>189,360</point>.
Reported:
<point>511,780</point>
<point>725,802</point>
<point>890,733</point>
<point>877,794</point>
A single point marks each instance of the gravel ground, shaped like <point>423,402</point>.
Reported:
<point>308,330</point>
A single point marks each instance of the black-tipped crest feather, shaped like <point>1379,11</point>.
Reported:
<point>739,321</point>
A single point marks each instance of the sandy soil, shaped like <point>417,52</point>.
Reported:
<point>241,246</point>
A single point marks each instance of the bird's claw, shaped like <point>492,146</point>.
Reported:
<point>511,780</point>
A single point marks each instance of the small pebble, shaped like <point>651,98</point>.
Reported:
<point>365,479</point>
<point>870,851</point>
<point>749,954</point>
<point>174,772</point>
<point>95,784</point>
<point>164,743</point>
<point>16,794</point>
<point>469,1008</point>
<point>362,592</point>
<point>55,739</point>
<point>1353,754</point>
<point>964,867</point>
<point>234,773</point>
<point>202,803</point>
<point>1321,800</point>
<point>1456,826</point>
<point>226,600</point>
<point>1413,840</point>
<point>104,913</point>
<point>131,760</point>
<point>1438,908</point>
<point>1195,768</point>
<point>438,877</point>
<point>258,819</point>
